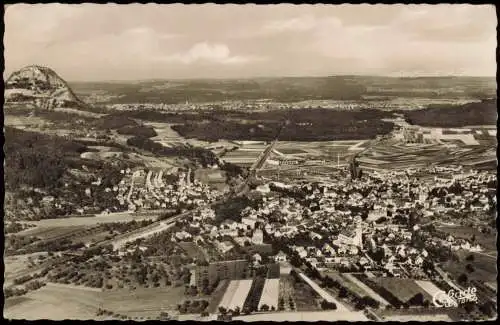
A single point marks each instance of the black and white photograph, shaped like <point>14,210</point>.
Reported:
<point>223,162</point>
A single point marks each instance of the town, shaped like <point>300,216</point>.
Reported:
<point>343,244</point>
<point>250,163</point>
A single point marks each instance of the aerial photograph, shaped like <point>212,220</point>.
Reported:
<point>250,162</point>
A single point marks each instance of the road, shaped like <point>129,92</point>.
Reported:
<point>446,278</point>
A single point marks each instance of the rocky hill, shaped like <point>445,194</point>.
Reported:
<point>42,87</point>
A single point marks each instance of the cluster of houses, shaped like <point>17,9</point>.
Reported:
<point>334,218</point>
<point>148,190</point>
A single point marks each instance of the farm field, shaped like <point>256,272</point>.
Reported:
<point>304,297</point>
<point>321,147</point>
<point>142,301</point>
<point>270,293</point>
<point>402,289</point>
<point>485,269</point>
<point>393,154</point>
<point>25,121</point>
<point>101,155</point>
<point>353,284</point>
<point>10,302</point>
<point>217,296</point>
<point>236,294</point>
<point>168,137</point>
<point>287,292</point>
<point>90,221</point>
<point>290,151</point>
<point>16,263</point>
<point>46,233</point>
<point>56,303</point>
<point>432,290</point>
<point>323,293</point>
<point>92,238</point>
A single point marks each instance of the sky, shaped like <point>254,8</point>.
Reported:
<point>93,42</point>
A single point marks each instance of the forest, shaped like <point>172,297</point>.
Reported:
<point>479,113</point>
<point>35,159</point>
<point>201,155</point>
<point>309,124</point>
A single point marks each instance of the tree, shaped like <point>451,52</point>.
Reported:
<point>488,309</point>
<point>469,306</point>
<point>264,307</point>
<point>469,268</point>
<point>329,282</point>
<point>343,292</point>
<point>360,305</point>
<point>295,261</point>
<point>164,315</point>
<point>462,279</point>
<point>470,258</point>
<point>417,300</point>
<point>316,274</point>
<point>328,305</point>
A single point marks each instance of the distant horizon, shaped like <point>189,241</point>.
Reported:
<point>251,78</point>
<point>274,77</point>
<point>89,42</point>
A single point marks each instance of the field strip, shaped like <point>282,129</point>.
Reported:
<point>228,295</point>
<point>86,221</point>
<point>323,293</point>
<point>367,289</point>
<point>236,294</point>
<point>357,146</point>
<point>72,286</point>
<point>433,291</point>
<point>270,293</point>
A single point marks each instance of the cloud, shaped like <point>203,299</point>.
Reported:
<point>147,32</point>
<point>302,23</point>
<point>90,41</point>
<point>204,51</point>
<point>447,23</point>
<point>36,22</point>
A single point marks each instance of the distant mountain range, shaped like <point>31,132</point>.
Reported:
<point>44,88</point>
<point>287,89</point>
